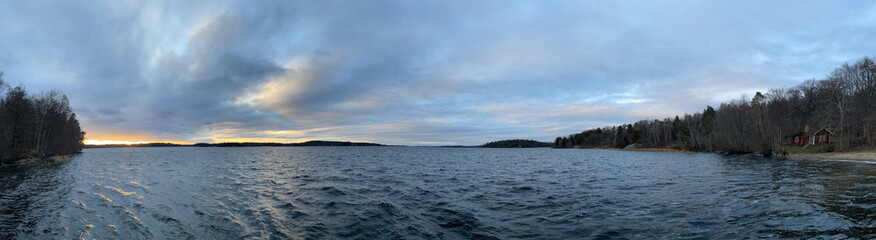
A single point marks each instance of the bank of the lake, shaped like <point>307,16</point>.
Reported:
<point>647,150</point>
<point>55,158</point>
<point>859,155</point>
<point>864,155</point>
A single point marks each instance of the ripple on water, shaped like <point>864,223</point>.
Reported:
<point>433,193</point>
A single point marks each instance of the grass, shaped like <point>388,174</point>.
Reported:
<point>810,150</point>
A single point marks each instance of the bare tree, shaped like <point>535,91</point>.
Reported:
<point>844,102</point>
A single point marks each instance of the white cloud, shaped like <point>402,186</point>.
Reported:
<point>402,72</point>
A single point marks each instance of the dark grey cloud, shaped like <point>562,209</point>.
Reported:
<point>413,72</point>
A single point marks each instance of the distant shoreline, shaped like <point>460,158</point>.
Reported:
<point>859,155</point>
<point>317,143</point>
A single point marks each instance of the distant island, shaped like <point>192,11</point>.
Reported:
<point>317,143</point>
<point>517,143</point>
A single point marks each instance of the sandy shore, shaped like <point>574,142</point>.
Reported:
<point>862,156</point>
<point>869,155</point>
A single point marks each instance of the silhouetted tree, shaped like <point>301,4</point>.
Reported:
<point>36,126</point>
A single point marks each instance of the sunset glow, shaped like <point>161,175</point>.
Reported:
<point>108,142</point>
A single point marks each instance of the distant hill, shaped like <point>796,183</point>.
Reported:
<point>517,143</point>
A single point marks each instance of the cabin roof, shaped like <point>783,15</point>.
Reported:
<point>825,129</point>
<point>813,132</point>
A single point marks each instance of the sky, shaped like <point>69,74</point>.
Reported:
<point>413,72</point>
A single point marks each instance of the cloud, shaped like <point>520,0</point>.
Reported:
<point>405,72</point>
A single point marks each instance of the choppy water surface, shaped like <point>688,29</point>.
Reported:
<point>432,193</point>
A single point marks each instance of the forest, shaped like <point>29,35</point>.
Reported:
<point>36,126</point>
<point>844,102</point>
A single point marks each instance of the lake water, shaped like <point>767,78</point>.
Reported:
<point>433,193</point>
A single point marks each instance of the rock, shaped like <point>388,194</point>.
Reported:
<point>633,146</point>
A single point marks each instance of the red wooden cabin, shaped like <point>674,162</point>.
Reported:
<point>809,138</point>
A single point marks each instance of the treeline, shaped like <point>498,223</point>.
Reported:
<point>36,126</point>
<point>844,102</point>
<point>516,143</point>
